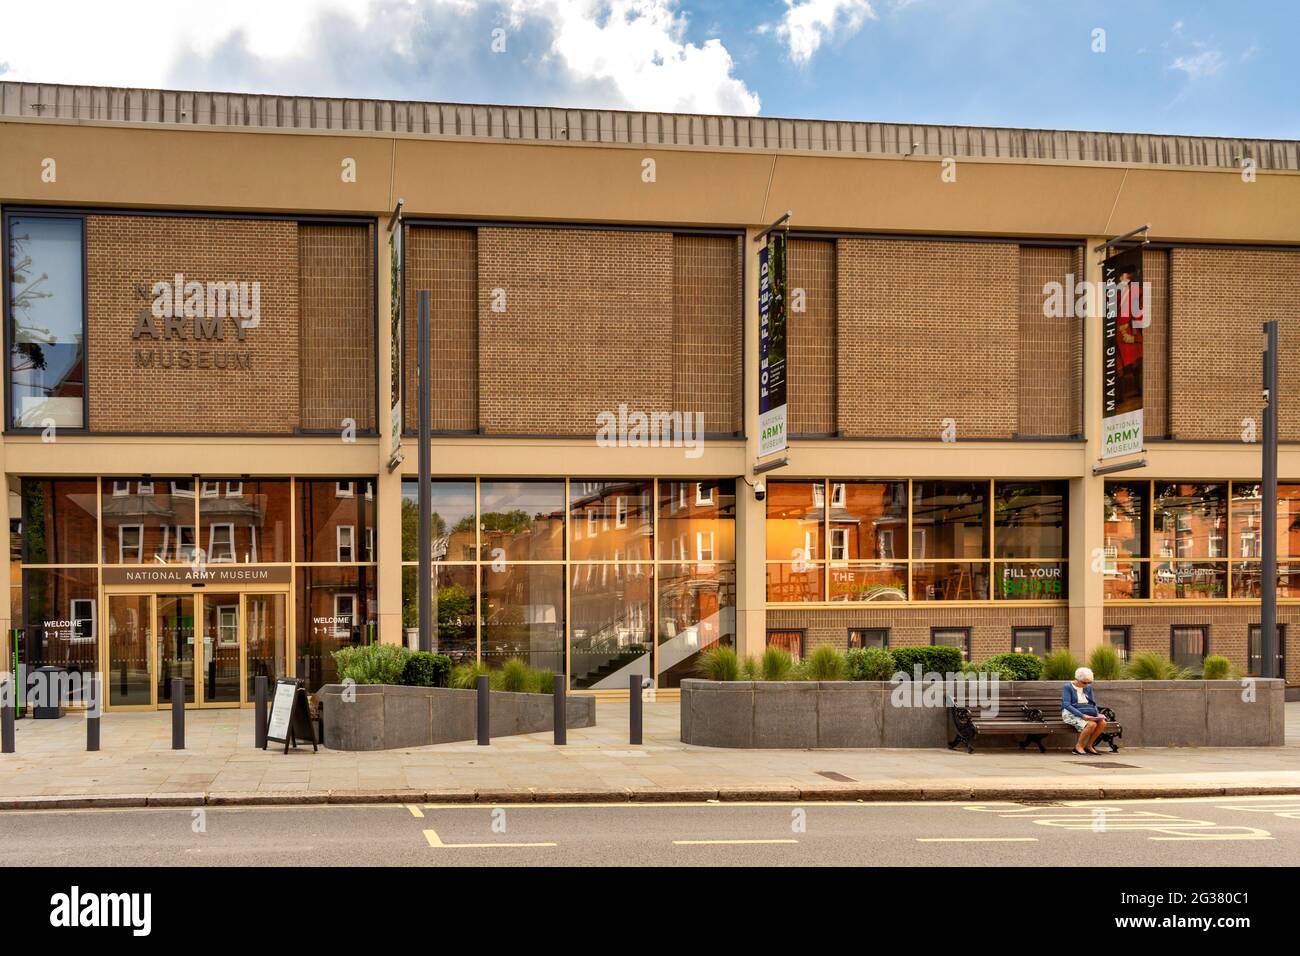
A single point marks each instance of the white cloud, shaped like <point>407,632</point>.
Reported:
<point>601,53</point>
<point>1199,65</point>
<point>807,24</point>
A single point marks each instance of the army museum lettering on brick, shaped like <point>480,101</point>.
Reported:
<point>183,311</point>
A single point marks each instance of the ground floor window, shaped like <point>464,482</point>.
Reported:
<point>1189,644</point>
<point>1031,640</point>
<point>790,641</point>
<point>1255,653</point>
<point>958,637</point>
<point>861,637</point>
<point>1118,637</point>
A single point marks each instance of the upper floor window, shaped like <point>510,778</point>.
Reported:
<point>47,322</point>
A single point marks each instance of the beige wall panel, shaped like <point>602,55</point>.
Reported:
<point>109,165</point>
<point>256,392</point>
<point>927,332</point>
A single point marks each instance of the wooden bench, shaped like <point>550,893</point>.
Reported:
<point>1031,717</point>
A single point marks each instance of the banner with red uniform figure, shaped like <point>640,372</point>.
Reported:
<point>1123,319</point>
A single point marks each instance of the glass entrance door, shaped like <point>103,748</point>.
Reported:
<point>220,676</point>
<point>266,630</point>
<point>175,645</point>
<point>130,650</point>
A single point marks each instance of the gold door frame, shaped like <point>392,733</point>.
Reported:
<point>152,591</point>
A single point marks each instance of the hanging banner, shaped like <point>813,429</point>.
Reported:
<point>395,313</point>
<point>772,338</point>
<point>1121,359</point>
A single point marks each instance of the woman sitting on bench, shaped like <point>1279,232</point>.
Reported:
<point>1079,710</point>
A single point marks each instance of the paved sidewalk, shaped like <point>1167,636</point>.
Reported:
<point>136,767</point>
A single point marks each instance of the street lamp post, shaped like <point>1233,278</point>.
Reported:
<point>1268,649</point>
<point>424,497</point>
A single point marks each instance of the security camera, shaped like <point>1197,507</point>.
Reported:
<point>646,683</point>
<point>760,491</point>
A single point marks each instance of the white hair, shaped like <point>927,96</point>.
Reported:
<point>1083,673</point>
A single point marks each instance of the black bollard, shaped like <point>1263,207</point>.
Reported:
<point>634,709</point>
<point>178,713</point>
<point>8,701</point>
<point>93,709</point>
<point>561,712</point>
<point>259,712</point>
<point>484,712</point>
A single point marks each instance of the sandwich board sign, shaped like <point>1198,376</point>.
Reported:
<point>290,719</point>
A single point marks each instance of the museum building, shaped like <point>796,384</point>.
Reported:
<point>210,302</point>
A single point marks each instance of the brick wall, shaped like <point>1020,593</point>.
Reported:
<point>1220,299</point>
<point>1048,348</point>
<point>1155,345</point>
<point>990,626</point>
<point>126,255</point>
<point>707,312</point>
<point>927,331</point>
<point>588,325</point>
<point>812,337</point>
<point>445,262</point>
<point>337,325</point>
<point>1228,623</point>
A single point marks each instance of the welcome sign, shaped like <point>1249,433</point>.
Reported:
<point>772,298</point>
<point>1121,361</point>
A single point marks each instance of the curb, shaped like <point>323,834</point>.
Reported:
<point>496,797</point>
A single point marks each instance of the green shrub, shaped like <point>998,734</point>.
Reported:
<point>1014,666</point>
<point>1151,666</point>
<point>1104,663</point>
<point>1216,668</point>
<point>932,658</point>
<point>719,663</point>
<point>426,670</point>
<point>825,663</point>
<point>749,669</point>
<point>870,663</point>
<point>465,676</point>
<point>371,663</point>
<point>776,664</point>
<point>513,677</point>
<point>542,681</point>
<point>1059,665</point>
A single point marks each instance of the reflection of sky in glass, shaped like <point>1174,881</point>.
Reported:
<point>47,296</point>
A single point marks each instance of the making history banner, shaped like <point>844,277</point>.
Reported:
<point>1121,359</point>
<point>772,310</point>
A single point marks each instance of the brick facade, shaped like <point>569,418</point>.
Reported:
<point>813,338</point>
<point>1149,629</point>
<point>444,262</point>
<point>1220,299</point>
<point>927,332</point>
<point>990,627</point>
<point>1048,349</point>
<point>126,255</point>
<point>337,325</point>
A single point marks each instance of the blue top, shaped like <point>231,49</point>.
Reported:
<point>1079,710</point>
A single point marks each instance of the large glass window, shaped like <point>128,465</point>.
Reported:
<point>59,618</point>
<point>610,520</point>
<point>455,609</point>
<point>697,520</point>
<point>58,520</point>
<point>336,608</point>
<point>454,528</point>
<point>244,522</point>
<point>336,520</point>
<point>612,627</point>
<point>697,612</point>
<point>47,325</point>
<point>149,520</point>
<point>523,615</point>
<point>521,520</point>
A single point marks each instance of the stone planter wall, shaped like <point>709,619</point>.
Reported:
<point>859,714</point>
<point>388,716</point>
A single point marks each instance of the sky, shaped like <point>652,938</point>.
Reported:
<point>1199,68</point>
